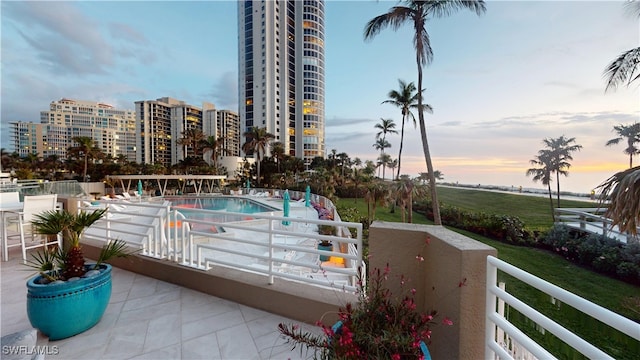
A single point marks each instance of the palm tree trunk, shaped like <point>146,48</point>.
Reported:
<point>558,184</point>
<point>553,215</point>
<point>410,210</point>
<point>86,160</point>
<point>425,147</point>
<point>630,161</point>
<point>401,141</point>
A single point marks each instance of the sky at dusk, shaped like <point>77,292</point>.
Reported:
<point>499,83</point>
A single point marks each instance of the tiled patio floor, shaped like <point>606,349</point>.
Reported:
<point>151,319</point>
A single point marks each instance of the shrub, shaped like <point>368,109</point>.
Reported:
<point>505,228</point>
<point>598,252</point>
<point>381,325</point>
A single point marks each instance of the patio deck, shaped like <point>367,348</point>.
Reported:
<point>151,319</point>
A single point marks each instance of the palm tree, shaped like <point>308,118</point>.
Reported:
<point>383,161</point>
<point>623,69</point>
<point>386,126</point>
<point>86,148</point>
<point>277,151</point>
<point>416,13</point>
<point>377,193</point>
<point>632,134</point>
<point>381,144</point>
<point>192,138</point>
<point>405,98</point>
<point>542,172</point>
<point>344,161</point>
<point>3,158</point>
<point>560,152</point>
<point>392,164</point>
<point>257,143</point>
<point>215,146</point>
<point>623,192</point>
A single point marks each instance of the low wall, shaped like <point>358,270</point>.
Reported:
<point>294,300</point>
<point>450,279</point>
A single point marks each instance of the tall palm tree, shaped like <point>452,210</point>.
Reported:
<point>257,143</point>
<point>86,148</point>
<point>632,134</point>
<point>192,138</point>
<point>624,68</point>
<point>560,150</point>
<point>542,172</point>
<point>416,13</point>
<point>405,98</point>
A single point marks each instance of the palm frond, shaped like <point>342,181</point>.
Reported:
<point>114,249</point>
<point>623,69</point>
<point>623,192</point>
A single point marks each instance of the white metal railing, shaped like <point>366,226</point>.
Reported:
<point>253,242</point>
<point>496,324</point>
<point>591,220</point>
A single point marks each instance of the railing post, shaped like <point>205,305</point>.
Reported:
<point>271,277</point>
<point>490,327</point>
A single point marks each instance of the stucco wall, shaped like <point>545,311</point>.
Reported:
<point>451,280</point>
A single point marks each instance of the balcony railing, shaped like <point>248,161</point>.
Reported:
<point>591,220</point>
<point>257,242</point>
<point>505,341</point>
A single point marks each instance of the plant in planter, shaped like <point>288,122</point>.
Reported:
<point>379,326</point>
<point>325,244</point>
<point>69,296</point>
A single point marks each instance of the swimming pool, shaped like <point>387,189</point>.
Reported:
<point>230,204</point>
<point>189,207</point>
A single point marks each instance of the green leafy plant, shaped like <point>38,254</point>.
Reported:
<point>68,261</point>
<point>380,325</point>
<point>326,230</point>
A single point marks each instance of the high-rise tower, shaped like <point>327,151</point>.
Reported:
<point>281,72</point>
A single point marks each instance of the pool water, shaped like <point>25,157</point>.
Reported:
<point>230,204</point>
<point>186,207</point>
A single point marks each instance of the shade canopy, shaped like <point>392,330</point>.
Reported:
<point>140,187</point>
<point>307,196</point>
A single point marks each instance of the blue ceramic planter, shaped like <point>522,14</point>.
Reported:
<point>326,248</point>
<point>66,309</point>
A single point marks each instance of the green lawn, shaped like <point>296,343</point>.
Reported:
<point>607,292</point>
<point>534,211</point>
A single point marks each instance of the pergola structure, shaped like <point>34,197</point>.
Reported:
<point>198,180</point>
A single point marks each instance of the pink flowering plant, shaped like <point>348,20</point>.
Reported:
<point>380,326</point>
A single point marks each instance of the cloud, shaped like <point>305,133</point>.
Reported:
<point>123,31</point>
<point>225,91</point>
<point>61,36</point>
<point>339,122</point>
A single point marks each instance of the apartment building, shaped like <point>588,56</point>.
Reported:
<point>281,72</point>
<point>112,129</point>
